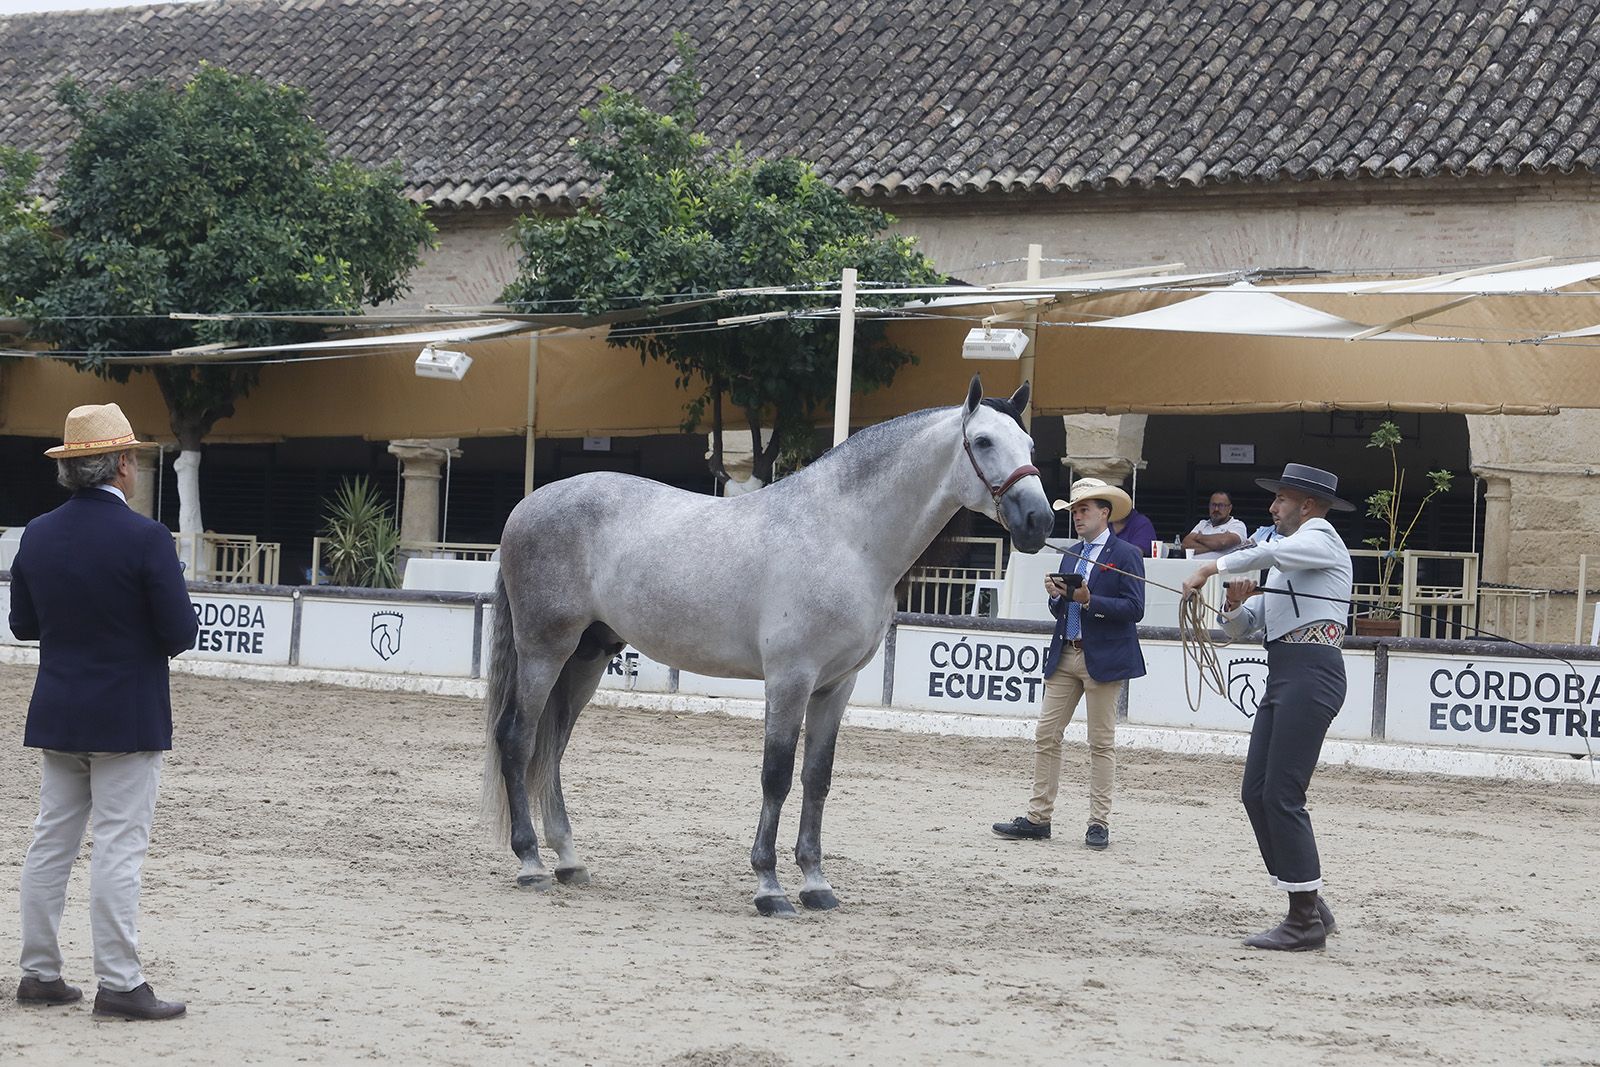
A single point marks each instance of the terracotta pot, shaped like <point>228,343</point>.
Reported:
<point>1377,628</point>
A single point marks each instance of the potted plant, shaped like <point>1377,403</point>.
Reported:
<point>1385,506</point>
<point>361,542</point>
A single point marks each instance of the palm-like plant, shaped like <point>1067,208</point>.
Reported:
<point>1385,505</point>
<point>361,540</point>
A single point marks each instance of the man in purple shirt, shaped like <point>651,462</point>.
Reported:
<point>1137,530</point>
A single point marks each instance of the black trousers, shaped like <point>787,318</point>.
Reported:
<point>1305,689</point>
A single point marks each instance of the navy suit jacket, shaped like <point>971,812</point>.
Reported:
<point>1116,604</point>
<point>99,587</point>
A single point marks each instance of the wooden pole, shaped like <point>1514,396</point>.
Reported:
<point>533,383</point>
<point>1031,327</point>
<point>847,344</point>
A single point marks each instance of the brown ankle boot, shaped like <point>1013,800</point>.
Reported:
<point>1300,930</point>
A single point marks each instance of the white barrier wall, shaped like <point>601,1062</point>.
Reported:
<point>389,636</point>
<point>971,673</point>
<point>1531,705</point>
<point>1160,699</point>
<point>6,636</point>
<point>1440,698</point>
<point>243,629</point>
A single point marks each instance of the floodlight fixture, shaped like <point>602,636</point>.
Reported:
<point>443,364</point>
<point>985,343</point>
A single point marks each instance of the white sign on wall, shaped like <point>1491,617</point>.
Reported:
<point>632,670</point>
<point>977,673</point>
<point>1538,705</point>
<point>1159,698</point>
<point>1239,454</point>
<point>391,636</point>
<point>242,629</point>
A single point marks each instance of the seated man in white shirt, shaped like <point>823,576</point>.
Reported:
<point>1219,532</point>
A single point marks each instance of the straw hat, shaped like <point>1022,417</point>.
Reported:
<point>1095,489</point>
<point>93,430</point>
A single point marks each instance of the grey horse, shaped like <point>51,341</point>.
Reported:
<point>794,584</point>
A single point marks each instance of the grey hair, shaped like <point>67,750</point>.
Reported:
<point>86,472</point>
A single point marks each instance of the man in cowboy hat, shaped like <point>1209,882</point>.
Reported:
<point>1095,648</point>
<point>1302,614</point>
<point>99,587</point>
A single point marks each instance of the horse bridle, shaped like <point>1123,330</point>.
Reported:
<point>996,489</point>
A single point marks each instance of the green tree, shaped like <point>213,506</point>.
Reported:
<point>29,253</point>
<point>677,219</point>
<point>219,196</point>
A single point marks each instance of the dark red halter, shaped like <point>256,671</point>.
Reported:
<point>996,490</point>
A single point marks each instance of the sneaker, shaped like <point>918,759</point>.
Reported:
<point>1023,828</point>
<point>1098,836</point>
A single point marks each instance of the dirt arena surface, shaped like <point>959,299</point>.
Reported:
<point>319,892</point>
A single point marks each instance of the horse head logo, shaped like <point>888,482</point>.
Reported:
<point>386,633</point>
<point>1247,683</point>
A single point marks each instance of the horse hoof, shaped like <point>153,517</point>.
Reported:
<point>778,906</point>
<point>572,875</point>
<point>539,883</point>
<point>819,899</point>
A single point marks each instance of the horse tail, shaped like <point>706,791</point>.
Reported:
<point>499,701</point>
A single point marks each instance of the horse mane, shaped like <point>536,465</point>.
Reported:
<point>1007,408</point>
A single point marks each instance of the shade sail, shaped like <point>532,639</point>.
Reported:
<point>1248,311</point>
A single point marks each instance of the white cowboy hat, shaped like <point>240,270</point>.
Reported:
<point>1095,489</point>
<point>93,430</point>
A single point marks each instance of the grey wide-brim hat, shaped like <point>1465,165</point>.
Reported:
<point>1313,480</point>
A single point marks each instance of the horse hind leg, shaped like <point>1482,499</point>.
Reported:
<point>516,736</point>
<point>580,677</point>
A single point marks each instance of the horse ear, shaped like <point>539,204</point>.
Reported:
<point>1019,399</point>
<point>974,396</point>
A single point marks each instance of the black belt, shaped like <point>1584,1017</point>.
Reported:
<point>1072,642</point>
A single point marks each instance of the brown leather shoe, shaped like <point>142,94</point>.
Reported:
<point>137,1003</point>
<point>38,991</point>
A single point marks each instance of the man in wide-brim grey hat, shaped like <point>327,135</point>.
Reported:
<point>1302,618</point>
<point>99,587</point>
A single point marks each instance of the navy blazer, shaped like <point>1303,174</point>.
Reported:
<point>1116,604</point>
<point>99,587</point>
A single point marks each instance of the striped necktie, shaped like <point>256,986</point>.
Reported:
<point>1074,611</point>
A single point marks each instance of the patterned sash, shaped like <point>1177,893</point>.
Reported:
<point>1325,632</point>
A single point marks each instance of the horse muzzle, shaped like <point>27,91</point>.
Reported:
<point>1029,519</point>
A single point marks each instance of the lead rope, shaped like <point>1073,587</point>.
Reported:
<point>1194,637</point>
<point>1200,647</point>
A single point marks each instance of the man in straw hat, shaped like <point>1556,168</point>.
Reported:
<point>1095,648</point>
<point>1301,615</point>
<point>99,587</point>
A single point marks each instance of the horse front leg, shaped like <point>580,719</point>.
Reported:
<point>786,706</point>
<point>823,715</point>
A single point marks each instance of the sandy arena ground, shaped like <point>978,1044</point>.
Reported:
<point>318,891</point>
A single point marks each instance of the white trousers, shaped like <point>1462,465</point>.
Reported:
<point>119,790</point>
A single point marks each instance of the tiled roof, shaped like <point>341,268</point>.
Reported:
<point>478,99</point>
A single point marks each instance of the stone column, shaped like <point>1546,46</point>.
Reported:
<point>421,466</point>
<point>144,487</point>
<point>1108,447</point>
<point>1496,528</point>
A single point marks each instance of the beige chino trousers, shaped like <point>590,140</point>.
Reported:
<point>1062,690</point>
<point>118,790</point>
